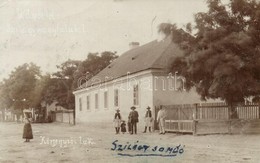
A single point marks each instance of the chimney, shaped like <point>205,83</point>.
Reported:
<point>133,45</point>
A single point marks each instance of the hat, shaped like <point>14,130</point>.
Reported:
<point>133,108</point>
<point>148,107</point>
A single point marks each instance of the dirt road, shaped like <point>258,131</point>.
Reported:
<point>96,143</point>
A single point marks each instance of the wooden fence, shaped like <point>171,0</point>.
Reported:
<point>64,116</point>
<point>251,111</point>
<point>208,118</point>
<point>211,111</point>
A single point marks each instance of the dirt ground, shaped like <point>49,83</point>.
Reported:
<point>93,143</point>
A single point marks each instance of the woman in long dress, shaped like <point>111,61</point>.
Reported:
<point>27,130</point>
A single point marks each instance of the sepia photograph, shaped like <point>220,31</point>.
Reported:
<point>129,81</point>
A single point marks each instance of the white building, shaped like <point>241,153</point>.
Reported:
<point>137,78</point>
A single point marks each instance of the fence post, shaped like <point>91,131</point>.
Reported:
<point>195,118</point>
<point>74,116</point>
<point>194,127</point>
<point>229,112</point>
<point>229,118</point>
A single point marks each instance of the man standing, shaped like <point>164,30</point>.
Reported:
<point>160,119</point>
<point>148,119</point>
<point>133,117</point>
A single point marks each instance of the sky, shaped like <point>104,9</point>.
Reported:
<point>49,32</point>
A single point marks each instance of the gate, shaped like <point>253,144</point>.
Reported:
<point>179,118</point>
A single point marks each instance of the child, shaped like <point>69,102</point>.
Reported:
<point>123,129</point>
<point>27,130</point>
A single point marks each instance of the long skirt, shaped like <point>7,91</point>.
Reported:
<point>27,131</point>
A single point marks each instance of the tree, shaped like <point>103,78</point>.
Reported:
<point>5,100</point>
<point>17,90</point>
<point>91,66</point>
<point>26,87</point>
<point>223,59</point>
<point>58,86</point>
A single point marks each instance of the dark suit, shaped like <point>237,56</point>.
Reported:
<point>133,116</point>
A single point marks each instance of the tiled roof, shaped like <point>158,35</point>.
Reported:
<point>153,55</point>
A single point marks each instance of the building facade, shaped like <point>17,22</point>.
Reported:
<point>140,77</point>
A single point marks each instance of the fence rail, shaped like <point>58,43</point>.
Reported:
<point>187,117</point>
<point>179,125</point>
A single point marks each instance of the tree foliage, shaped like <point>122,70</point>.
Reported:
<point>92,65</point>
<point>27,87</point>
<point>223,58</point>
<point>60,85</point>
<point>18,90</point>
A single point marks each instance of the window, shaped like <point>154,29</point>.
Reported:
<point>116,97</point>
<point>80,104</point>
<point>105,100</point>
<point>136,95</point>
<point>96,101</point>
<point>88,103</point>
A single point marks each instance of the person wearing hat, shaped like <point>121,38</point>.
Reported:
<point>148,119</point>
<point>117,121</point>
<point>160,119</point>
<point>133,117</point>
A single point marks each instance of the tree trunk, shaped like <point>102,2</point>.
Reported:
<point>233,111</point>
<point>74,116</point>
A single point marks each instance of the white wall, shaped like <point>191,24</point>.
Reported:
<point>125,87</point>
<point>167,92</point>
<point>155,89</point>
